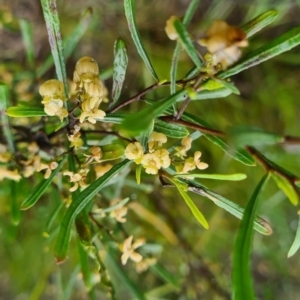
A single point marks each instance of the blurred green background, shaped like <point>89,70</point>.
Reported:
<point>269,99</point>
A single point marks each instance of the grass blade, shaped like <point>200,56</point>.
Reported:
<point>296,244</point>
<point>4,103</point>
<point>259,22</point>
<point>76,207</point>
<point>129,6</point>
<point>21,111</point>
<point>53,28</point>
<point>279,45</point>
<point>26,31</point>
<point>70,42</point>
<point>120,66</point>
<point>231,177</point>
<point>241,275</point>
<point>140,121</point>
<point>187,43</point>
<point>40,189</point>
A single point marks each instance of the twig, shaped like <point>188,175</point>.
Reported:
<point>171,119</point>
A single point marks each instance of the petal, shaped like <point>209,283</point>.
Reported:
<point>136,257</point>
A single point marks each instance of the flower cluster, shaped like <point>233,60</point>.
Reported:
<point>156,158</point>
<point>185,165</point>
<point>90,89</point>
<point>159,157</point>
<point>53,94</point>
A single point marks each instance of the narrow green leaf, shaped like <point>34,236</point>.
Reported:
<point>40,189</point>
<point>259,22</point>
<point>260,224</point>
<point>241,275</point>
<point>76,207</point>
<point>186,20</point>
<point>165,275</point>
<point>279,45</point>
<point>173,70</point>
<point>112,151</point>
<point>189,202</point>
<point>14,205</point>
<point>27,36</point>
<point>141,120</point>
<point>296,244</point>
<point>252,136</point>
<point>85,267</point>
<point>231,177</point>
<point>211,94</point>
<point>116,118</point>
<point>240,155</point>
<point>4,103</point>
<point>53,28</point>
<point>129,6</point>
<point>120,66</point>
<point>228,85</point>
<point>71,283</point>
<point>171,130</point>
<point>187,43</point>
<point>53,216</point>
<point>290,191</point>
<point>70,42</point>
<point>145,136</point>
<point>21,111</point>
<point>190,11</point>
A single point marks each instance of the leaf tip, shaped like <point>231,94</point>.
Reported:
<point>60,260</point>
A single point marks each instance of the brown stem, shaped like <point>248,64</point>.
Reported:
<point>291,140</point>
<point>182,108</point>
<point>171,119</point>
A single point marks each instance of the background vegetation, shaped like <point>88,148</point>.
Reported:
<point>201,259</point>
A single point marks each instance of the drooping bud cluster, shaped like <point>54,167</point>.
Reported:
<point>53,94</point>
<point>224,42</point>
<point>157,157</point>
<point>90,89</point>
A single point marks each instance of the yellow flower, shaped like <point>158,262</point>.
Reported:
<point>134,151</point>
<point>74,138</point>
<point>77,179</point>
<point>170,29</point>
<point>186,144</point>
<point>151,163</point>
<point>119,213</point>
<point>52,89</point>
<point>86,70</point>
<point>96,154</point>
<point>191,163</point>
<point>49,168</point>
<point>163,156</point>
<point>224,42</point>
<point>53,94</point>
<point>92,115</point>
<point>128,250</point>
<point>100,170</point>
<point>12,175</point>
<point>156,140</point>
